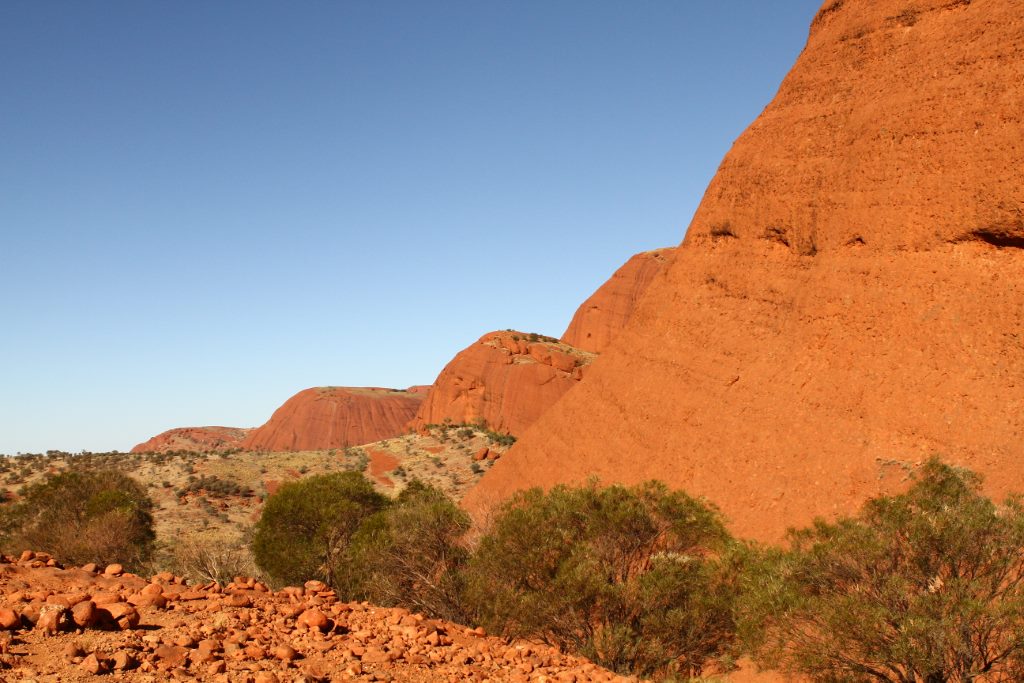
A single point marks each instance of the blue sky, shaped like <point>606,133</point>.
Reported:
<point>206,207</point>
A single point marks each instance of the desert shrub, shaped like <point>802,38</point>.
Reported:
<point>305,527</point>
<point>412,553</point>
<point>624,576</point>
<point>923,586</point>
<point>210,557</point>
<point>81,516</point>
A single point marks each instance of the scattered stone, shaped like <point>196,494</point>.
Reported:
<point>94,665</point>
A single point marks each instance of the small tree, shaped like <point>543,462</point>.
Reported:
<point>920,587</point>
<point>306,526</point>
<point>620,575</point>
<point>412,553</point>
<point>84,515</point>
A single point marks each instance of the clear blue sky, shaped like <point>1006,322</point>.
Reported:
<point>208,206</point>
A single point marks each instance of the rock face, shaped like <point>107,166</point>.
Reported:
<point>849,299</point>
<point>194,439</point>
<point>606,312</point>
<point>507,379</point>
<point>335,417</point>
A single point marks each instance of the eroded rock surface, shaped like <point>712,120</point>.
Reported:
<point>199,439</point>
<point>336,417</point>
<point>606,312</point>
<point>507,379</point>
<point>849,298</point>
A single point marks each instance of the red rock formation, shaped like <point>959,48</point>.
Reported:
<point>507,379</point>
<point>335,417</point>
<point>194,439</point>
<point>849,299</point>
<point>606,312</point>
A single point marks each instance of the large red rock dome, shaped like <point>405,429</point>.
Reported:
<point>505,379</point>
<point>335,417</point>
<point>849,299</point>
<point>606,312</point>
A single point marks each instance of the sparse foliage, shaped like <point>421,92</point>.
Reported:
<point>621,575</point>
<point>927,586</point>
<point>83,515</point>
<point>412,553</point>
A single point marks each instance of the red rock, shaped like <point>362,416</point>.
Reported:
<point>122,660</point>
<point>285,653</point>
<point>601,317</point>
<point>238,600</point>
<point>84,614</point>
<point>113,570</point>
<point>197,439</point>
<point>335,417</point>
<point>105,598</point>
<point>51,618</point>
<point>313,619</point>
<point>94,665</point>
<point>121,614</point>
<point>481,454</point>
<point>847,300</point>
<point>504,381</point>
<point>171,656</point>
<point>152,589</point>
<point>9,619</point>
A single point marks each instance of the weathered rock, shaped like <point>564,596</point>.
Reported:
<point>335,417</point>
<point>84,614</point>
<point>848,299</point>
<point>506,379</point>
<point>123,660</point>
<point>601,317</point>
<point>198,439</point>
<point>51,618</point>
<point>119,614</point>
<point>313,619</point>
<point>170,656</point>
<point>93,665</point>
<point>9,619</point>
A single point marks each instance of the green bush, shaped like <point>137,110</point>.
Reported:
<point>81,516</point>
<point>412,553</point>
<point>306,526</point>
<point>624,576</point>
<point>924,586</point>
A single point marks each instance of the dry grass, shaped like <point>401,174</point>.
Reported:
<point>204,532</point>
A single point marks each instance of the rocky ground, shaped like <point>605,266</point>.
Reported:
<point>82,623</point>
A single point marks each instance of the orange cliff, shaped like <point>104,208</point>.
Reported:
<point>336,417</point>
<point>194,439</point>
<point>849,298</point>
<point>506,379</point>
<point>606,312</point>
